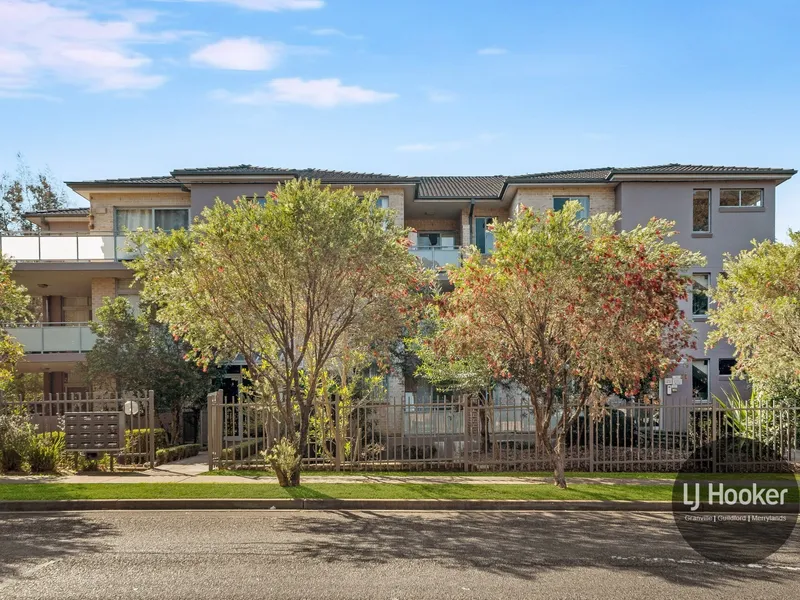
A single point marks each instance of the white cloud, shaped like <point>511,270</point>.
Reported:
<point>492,51</point>
<point>270,5</point>
<point>317,93</point>
<point>331,32</point>
<point>441,96</point>
<point>40,40</point>
<point>239,54</point>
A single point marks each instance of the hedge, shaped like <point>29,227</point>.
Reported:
<point>137,441</point>
<point>242,450</point>
<point>167,455</point>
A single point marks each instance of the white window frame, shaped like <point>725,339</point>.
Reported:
<point>739,206</point>
<point>152,210</point>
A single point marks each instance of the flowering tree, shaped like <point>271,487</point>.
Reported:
<point>289,285</point>
<point>14,303</point>
<point>564,305</point>
<point>757,309</point>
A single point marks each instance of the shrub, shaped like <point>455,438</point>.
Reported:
<point>16,437</point>
<point>418,452</point>
<point>173,453</point>
<point>614,428</point>
<point>46,452</point>
<point>284,460</point>
<point>137,441</point>
<point>241,450</point>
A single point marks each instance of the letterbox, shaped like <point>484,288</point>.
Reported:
<point>94,431</point>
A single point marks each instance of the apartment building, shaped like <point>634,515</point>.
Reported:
<point>77,258</point>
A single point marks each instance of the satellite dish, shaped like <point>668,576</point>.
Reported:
<point>131,407</point>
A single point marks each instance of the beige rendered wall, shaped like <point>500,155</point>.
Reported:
<point>66,226</point>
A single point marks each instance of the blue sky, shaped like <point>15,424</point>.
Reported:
<point>140,87</point>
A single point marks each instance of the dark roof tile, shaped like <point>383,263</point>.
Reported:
<point>60,212</point>
<point>461,187</point>
<point>323,174</point>
<point>137,181</point>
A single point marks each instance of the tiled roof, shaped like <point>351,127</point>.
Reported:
<point>324,175</point>
<point>60,212</point>
<point>607,173</point>
<point>576,176</point>
<point>136,181</point>
<point>441,186</point>
<point>680,169</point>
<point>461,187</point>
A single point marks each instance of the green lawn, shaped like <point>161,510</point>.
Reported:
<point>59,491</point>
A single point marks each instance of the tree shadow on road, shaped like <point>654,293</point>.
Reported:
<point>526,545</point>
<point>31,539</point>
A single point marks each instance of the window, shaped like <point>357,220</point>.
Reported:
<point>484,238</point>
<point>383,202</point>
<point>700,380</point>
<point>431,239</point>
<point>726,366</point>
<point>560,201</point>
<point>701,211</point>
<point>171,219</point>
<point>741,198</point>
<point>130,219</point>
<point>700,294</point>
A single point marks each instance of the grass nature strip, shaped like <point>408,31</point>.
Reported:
<point>360,491</point>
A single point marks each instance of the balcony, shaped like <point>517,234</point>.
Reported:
<point>438,257</point>
<point>66,247</point>
<point>47,338</point>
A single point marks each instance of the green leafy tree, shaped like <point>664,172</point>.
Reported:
<point>138,353</point>
<point>14,302</point>
<point>346,390</point>
<point>289,284</point>
<point>564,305</point>
<point>756,308</point>
<point>24,191</point>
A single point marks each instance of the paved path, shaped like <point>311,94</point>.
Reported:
<point>199,555</point>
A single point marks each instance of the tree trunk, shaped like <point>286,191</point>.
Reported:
<point>557,461</point>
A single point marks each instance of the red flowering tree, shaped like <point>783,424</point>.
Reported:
<point>292,285</point>
<point>565,306</point>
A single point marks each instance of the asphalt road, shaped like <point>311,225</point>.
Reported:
<point>401,555</point>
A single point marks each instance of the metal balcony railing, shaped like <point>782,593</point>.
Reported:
<point>45,338</point>
<point>62,247</point>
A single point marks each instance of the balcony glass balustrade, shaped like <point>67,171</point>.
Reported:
<point>438,257</point>
<point>45,338</point>
<point>60,247</point>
